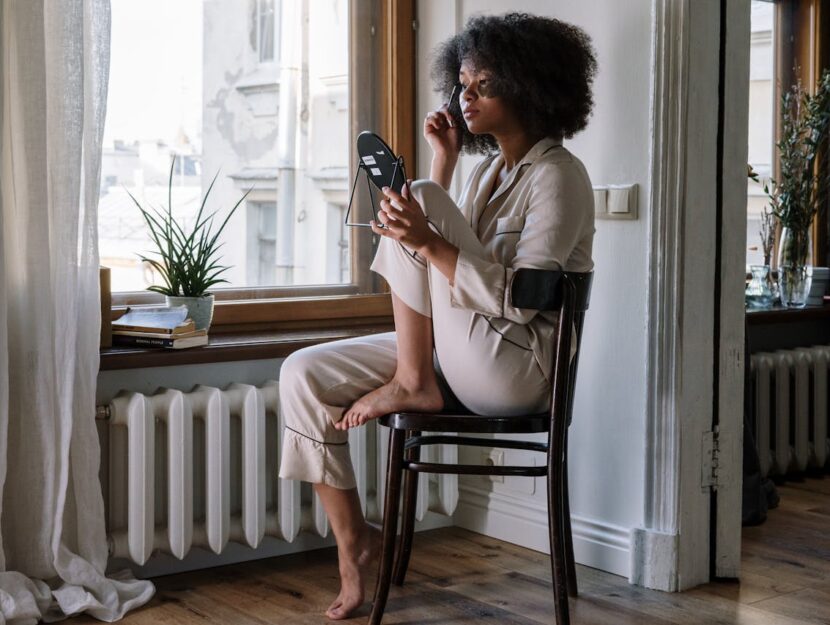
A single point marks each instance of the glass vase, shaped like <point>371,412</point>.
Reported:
<point>758,292</point>
<point>794,277</point>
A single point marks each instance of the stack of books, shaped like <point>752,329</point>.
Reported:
<point>818,288</point>
<point>161,326</point>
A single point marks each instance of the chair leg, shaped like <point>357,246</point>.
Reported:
<point>573,589</point>
<point>559,571</point>
<point>410,498</point>
<point>390,523</point>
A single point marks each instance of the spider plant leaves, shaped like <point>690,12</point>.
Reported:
<point>224,223</point>
<point>187,260</point>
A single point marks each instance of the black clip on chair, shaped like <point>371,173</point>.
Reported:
<point>569,293</point>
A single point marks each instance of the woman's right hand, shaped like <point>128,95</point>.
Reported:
<point>443,134</point>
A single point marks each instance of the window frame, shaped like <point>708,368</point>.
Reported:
<point>275,43</point>
<point>388,62</point>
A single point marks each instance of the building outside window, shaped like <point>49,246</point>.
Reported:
<point>261,243</point>
<point>257,91</point>
<point>338,265</point>
<point>761,121</point>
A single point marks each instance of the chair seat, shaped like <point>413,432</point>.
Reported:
<point>449,422</point>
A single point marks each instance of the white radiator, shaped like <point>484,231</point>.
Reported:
<point>790,395</point>
<point>199,469</point>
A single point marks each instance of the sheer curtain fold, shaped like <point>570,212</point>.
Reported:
<point>54,65</point>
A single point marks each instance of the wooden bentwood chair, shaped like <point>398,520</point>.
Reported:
<point>569,293</point>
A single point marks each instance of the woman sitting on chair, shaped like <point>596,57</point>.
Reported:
<point>522,84</point>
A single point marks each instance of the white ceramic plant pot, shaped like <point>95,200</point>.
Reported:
<point>200,309</point>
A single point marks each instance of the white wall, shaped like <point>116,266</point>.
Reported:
<point>608,433</point>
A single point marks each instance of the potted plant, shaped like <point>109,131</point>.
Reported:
<point>800,193</point>
<point>188,261</point>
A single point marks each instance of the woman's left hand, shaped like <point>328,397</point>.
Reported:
<point>404,218</point>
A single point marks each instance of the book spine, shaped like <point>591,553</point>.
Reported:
<point>159,335</point>
<point>117,327</point>
<point>122,339</point>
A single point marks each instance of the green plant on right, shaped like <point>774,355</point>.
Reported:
<point>188,262</point>
<point>800,194</point>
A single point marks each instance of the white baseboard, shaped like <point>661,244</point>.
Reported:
<point>523,521</point>
<point>654,559</point>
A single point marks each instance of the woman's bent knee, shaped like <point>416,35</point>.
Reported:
<point>428,194</point>
<point>306,369</point>
<point>295,366</point>
<point>299,386</point>
<point>422,185</point>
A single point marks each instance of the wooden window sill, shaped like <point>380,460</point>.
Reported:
<point>788,315</point>
<point>227,347</point>
<point>233,316</point>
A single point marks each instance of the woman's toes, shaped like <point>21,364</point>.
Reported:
<point>333,613</point>
<point>347,420</point>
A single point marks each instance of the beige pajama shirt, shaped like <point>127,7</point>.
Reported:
<point>495,358</point>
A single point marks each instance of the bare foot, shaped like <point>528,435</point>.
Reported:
<point>354,560</point>
<point>391,397</point>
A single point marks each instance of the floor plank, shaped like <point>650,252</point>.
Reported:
<point>457,577</point>
<point>810,605</point>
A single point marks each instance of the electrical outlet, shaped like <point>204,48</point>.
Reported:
<point>494,457</point>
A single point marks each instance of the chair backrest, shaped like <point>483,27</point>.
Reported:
<point>543,289</point>
<point>540,289</point>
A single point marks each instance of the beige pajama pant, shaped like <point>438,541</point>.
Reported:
<point>487,371</point>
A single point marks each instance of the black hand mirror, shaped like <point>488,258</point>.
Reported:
<point>381,166</point>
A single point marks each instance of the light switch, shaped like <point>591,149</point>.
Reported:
<point>600,200</point>
<point>618,200</point>
<point>621,202</point>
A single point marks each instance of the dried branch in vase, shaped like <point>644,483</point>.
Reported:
<point>769,223</point>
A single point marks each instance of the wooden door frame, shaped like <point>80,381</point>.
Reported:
<point>728,418</point>
<point>695,341</point>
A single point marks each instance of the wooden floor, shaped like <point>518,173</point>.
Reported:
<point>458,577</point>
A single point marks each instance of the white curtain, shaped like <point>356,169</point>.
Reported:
<point>53,83</point>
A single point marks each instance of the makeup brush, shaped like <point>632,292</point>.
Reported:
<point>449,104</point>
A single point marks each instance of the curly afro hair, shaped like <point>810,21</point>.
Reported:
<point>542,68</point>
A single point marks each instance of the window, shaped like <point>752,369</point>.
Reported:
<point>263,29</point>
<point>218,87</point>
<point>261,242</point>
<point>337,235</point>
<point>784,33</point>
<point>761,120</point>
